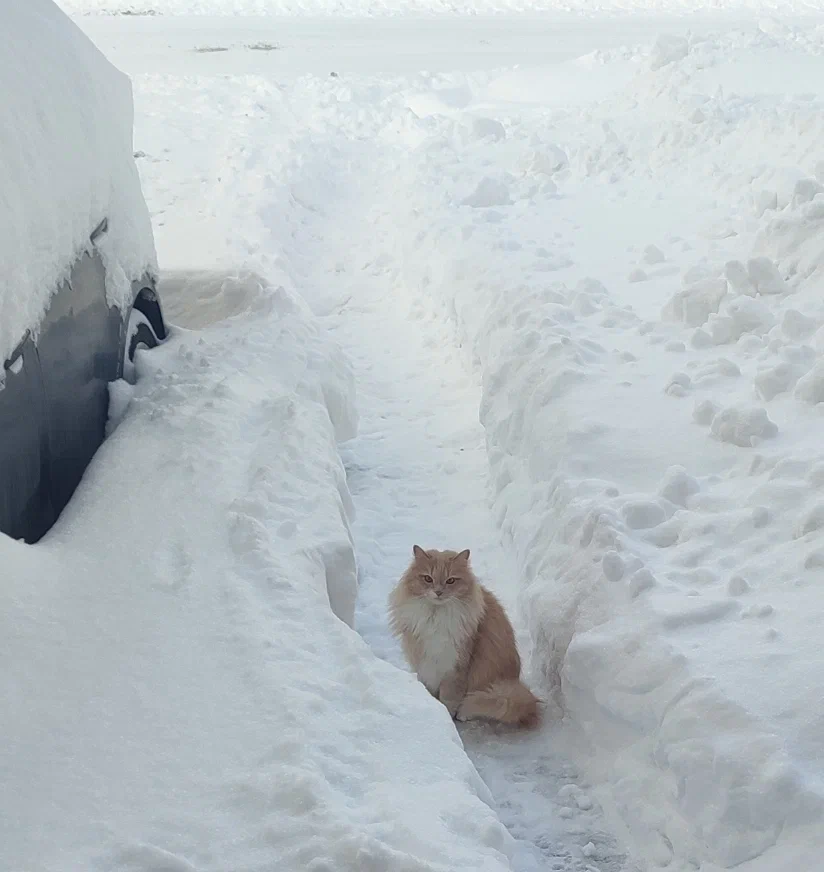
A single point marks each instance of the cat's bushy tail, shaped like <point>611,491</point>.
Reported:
<point>510,702</point>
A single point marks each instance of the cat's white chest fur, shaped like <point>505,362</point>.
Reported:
<point>441,632</point>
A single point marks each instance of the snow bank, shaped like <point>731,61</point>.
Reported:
<point>430,7</point>
<point>177,691</point>
<point>65,164</point>
<point>635,273</point>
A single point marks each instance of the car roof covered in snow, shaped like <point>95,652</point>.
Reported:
<point>66,163</point>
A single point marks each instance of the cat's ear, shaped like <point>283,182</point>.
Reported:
<point>418,552</point>
<point>464,555</point>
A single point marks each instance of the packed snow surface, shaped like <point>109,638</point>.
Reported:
<point>65,164</point>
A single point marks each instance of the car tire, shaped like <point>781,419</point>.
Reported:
<point>139,334</point>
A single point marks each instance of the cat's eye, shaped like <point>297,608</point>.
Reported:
<point>427,578</point>
<point>451,580</point>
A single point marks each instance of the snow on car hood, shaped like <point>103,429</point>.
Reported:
<point>66,162</point>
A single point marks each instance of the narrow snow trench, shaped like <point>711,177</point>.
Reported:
<point>418,475</point>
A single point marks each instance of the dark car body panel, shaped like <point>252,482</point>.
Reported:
<point>25,501</point>
<point>55,399</point>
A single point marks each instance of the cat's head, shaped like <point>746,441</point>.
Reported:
<point>439,576</point>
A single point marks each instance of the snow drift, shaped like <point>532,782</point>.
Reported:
<point>65,164</point>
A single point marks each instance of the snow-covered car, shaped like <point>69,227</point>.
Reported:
<point>77,259</point>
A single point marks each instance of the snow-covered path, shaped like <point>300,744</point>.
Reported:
<point>418,473</point>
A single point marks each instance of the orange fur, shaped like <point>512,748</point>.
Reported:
<point>457,637</point>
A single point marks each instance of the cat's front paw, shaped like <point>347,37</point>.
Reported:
<point>462,715</point>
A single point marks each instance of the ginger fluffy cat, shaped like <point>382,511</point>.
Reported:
<point>457,637</point>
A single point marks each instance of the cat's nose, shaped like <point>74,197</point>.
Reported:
<point>438,593</point>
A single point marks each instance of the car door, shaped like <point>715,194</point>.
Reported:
<point>79,349</point>
<point>25,507</point>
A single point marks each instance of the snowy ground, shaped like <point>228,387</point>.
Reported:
<point>571,247</point>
